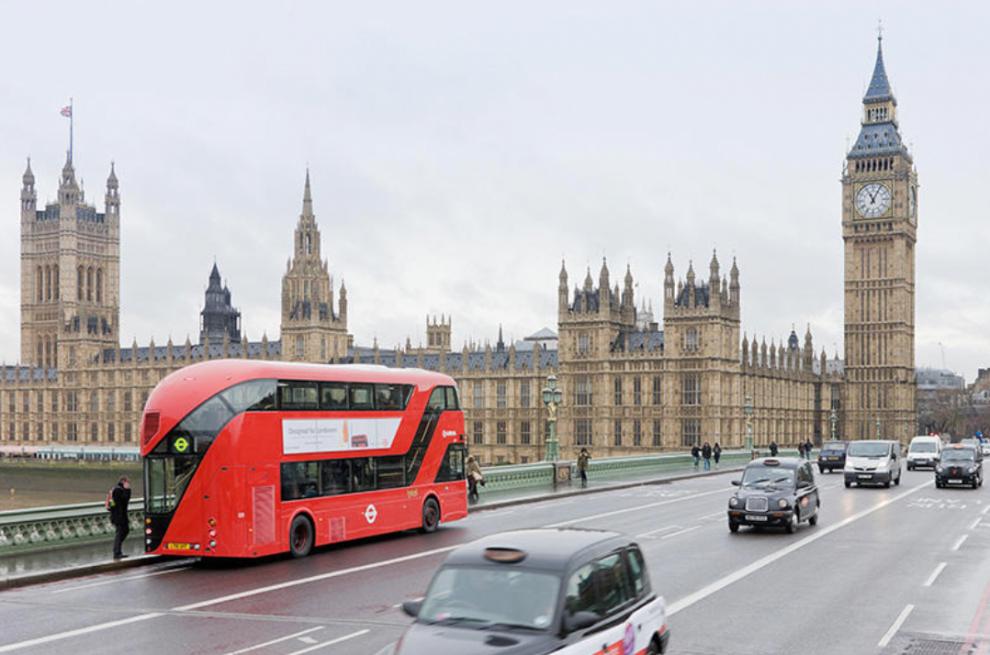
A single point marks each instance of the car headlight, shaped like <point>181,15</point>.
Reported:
<point>972,469</point>
<point>782,503</point>
<point>883,466</point>
<point>733,502</point>
<point>938,468</point>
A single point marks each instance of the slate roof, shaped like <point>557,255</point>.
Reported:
<point>13,373</point>
<point>254,350</point>
<point>648,340</point>
<point>878,139</point>
<point>701,296</point>
<point>454,361</point>
<point>879,89</point>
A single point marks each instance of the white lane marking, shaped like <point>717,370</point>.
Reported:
<point>274,641</point>
<point>985,509</point>
<point>653,532</point>
<point>114,580</point>
<point>77,632</point>
<point>679,532</point>
<point>313,578</point>
<point>767,560</point>
<point>898,622</point>
<point>712,515</point>
<point>935,574</point>
<point>972,526</point>
<point>959,542</point>
<point>307,640</point>
<point>331,642</point>
<point>636,508</point>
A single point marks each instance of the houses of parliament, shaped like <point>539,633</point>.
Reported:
<point>631,384</point>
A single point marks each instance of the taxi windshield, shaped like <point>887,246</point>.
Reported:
<point>497,597</point>
<point>767,476</point>
<point>958,455</point>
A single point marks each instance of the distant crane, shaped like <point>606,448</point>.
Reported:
<point>942,348</point>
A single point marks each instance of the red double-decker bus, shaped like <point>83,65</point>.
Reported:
<point>246,458</point>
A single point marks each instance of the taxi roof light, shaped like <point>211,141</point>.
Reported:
<point>505,555</point>
<point>771,462</point>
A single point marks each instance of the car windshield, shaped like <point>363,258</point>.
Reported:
<point>923,447</point>
<point>868,449</point>
<point>767,476</point>
<point>500,596</point>
<point>832,450</point>
<point>958,455</point>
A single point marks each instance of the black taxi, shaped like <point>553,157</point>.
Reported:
<point>528,592</point>
<point>960,464</point>
<point>779,491</point>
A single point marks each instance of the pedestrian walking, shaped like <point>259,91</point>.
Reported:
<point>706,454</point>
<point>582,464</point>
<point>808,447</point>
<point>116,503</point>
<point>475,477</point>
<point>696,454</point>
<point>773,448</point>
<point>717,453</point>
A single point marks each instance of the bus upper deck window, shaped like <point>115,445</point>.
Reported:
<point>452,398</point>
<point>297,395</point>
<point>333,396</point>
<point>438,400</point>
<point>361,396</point>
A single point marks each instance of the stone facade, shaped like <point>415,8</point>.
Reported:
<point>631,385</point>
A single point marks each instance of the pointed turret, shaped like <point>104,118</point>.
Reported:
<point>714,277</point>
<point>589,284</point>
<point>734,283</point>
<point>628,300</point>
<point>809,350</point>
<point>690,274</point>
<point>668,282</point>
<point>28,178</point>
<point>500,344</point>
<point>29,197</point>
<point>562,289</point>
<point>879,89</point>
<point>112,178</point>
<point>307,209</point>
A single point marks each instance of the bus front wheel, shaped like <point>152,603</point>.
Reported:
<point>301,536</point>
<point>431,515</point>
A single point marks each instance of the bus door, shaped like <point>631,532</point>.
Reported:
<point>259,516</point>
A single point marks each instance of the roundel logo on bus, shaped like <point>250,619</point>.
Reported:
<point>370,514</point>
<point>180,445</point>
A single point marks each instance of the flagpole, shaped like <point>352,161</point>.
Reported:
<point>72,117</point>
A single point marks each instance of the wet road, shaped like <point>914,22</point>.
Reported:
<point>884,569</point>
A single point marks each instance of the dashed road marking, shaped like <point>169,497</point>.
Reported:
<point>331,642</point>
<point>117,579</point>
<point>895,626</point>
<point>959,542</point>
<point>680,532</point>
<point>653,532</point>
<point>985,509</point>
<point>275,641</point>
<point>972,526</point>
<point>931,579</point>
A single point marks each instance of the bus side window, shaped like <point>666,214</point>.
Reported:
<point>300,480</point>
<point>297,395</point>
<point>388,397</point>
<point>333,476</point>
<point>362,474</point>
<point>391,472</point>
<point>438,400</point>
<point>362,396</point>
<point>333,395</point>
<point>452,398</point>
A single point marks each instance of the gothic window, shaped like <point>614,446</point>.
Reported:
<point>48,283</point>
<point>500,388</point>
<point>478,431</point>
<point>80,281</point>
<point>40,401</point>
<point>55,281</point>
<point>127,401</point>
<point>637,433</point>
<point>127,432</point>
<point>584,343</point>
<point>656,433</point>
<point>479,394</point>
<point>690,389</point>
<point>93,402</point>
<point>617,432</point>
<point>41,351</point>
<point>637,390</point>
<point>617,391</point>
<point>71,432</point>
<point>690,431</point>
<point>524,433</point>
<point>99,285</point>
<point>110,401</point>
<point>39,284</point>
<point>524,395</point>
<point>93,432</point>
<point>582,390</point>
<point>309,244</point>
<point>691,339</point>
<point>582,432</point>
<point>657,396</point>
<point>299,346</point>
<point>26,402</point>
<point>89,283</point>
<point>110,432</point>
<point>500,433</point>
<point>40,431</point>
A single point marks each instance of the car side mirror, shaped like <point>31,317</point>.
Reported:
<point>736,483</point>
<point>412,607</point>
<point>581,620</point>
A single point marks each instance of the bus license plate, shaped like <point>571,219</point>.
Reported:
<point>755,517</point>
<point>177,546</point>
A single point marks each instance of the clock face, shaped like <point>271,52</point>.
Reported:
<point>873,200</point>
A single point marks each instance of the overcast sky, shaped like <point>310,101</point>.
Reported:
<point>458,150</point>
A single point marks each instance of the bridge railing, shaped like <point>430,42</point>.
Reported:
<point>44,528</point>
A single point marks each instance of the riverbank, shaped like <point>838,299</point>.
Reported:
<point>36,483</point>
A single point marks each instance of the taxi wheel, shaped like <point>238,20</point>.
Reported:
<point>791,526</point>
<point>848,484</point>
<point>653,648</point>
<point>300,536</point>
<point>898,480</point>
<point>814,519</point>
<point>431,515</point>
<point>733,526</point>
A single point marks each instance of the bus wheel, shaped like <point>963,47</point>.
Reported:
<point>431,515</point>
<point>301,536</point>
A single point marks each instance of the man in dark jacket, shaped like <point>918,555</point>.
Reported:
<point>706,454</point>
<point>696,454</point>
<point>120,496</point>
<point>808,447</point>
<point>773,449</point>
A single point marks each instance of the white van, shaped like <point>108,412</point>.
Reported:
<point>873,462</point>
<point>924,451</point>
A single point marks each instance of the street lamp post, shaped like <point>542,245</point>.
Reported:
<point>878,427</point>
<point>833,418</point>
<point>748,411</point>
<point>552,398</point>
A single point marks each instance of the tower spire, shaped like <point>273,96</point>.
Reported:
<point>879,89</point>
<point>307,197</point>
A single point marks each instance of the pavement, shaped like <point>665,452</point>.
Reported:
<point>899,570</point>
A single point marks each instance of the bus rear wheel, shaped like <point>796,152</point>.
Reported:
<point>431,515</point>
<point>301,536</point>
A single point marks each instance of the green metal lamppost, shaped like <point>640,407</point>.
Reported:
<point>833,418</point>
<point>552,398</point>
<point>748,411</point>
<point>878,427</point>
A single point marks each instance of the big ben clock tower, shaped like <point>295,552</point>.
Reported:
<point>879,229</point>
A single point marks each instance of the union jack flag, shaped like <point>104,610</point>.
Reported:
<point>67,111</point>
